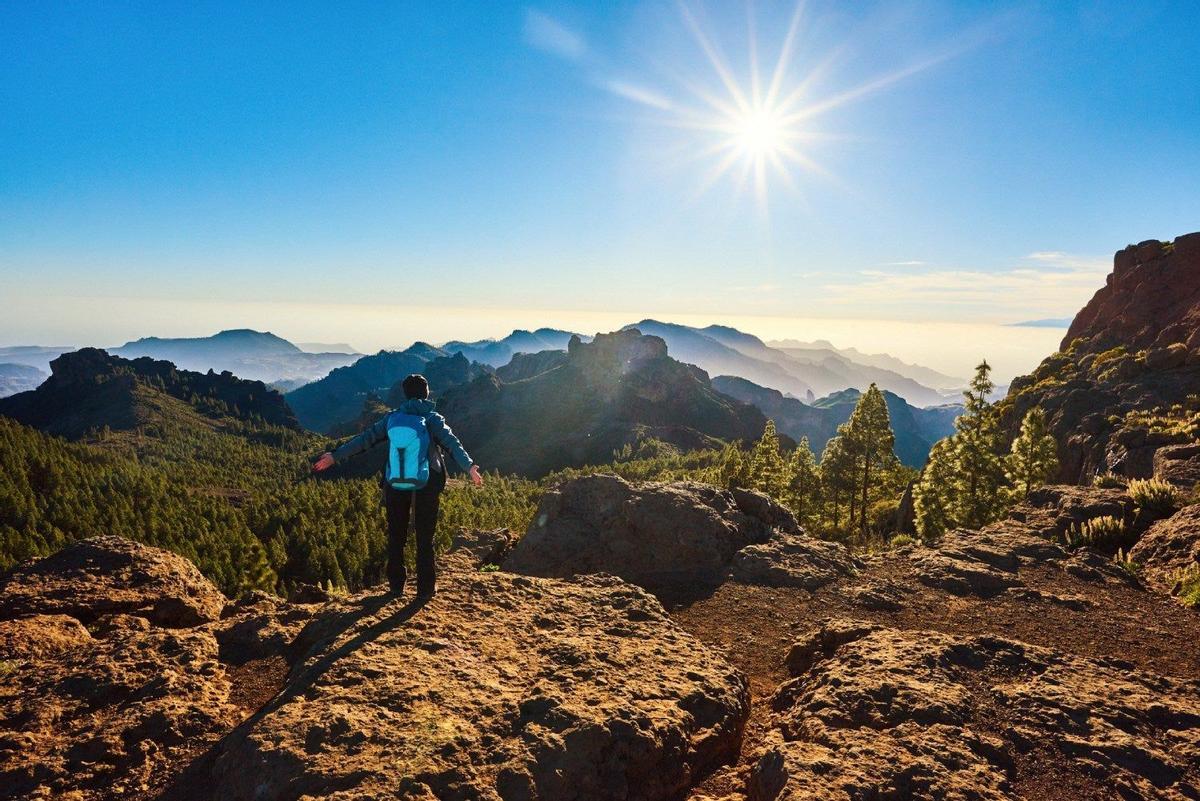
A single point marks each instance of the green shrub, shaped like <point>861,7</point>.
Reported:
<point>900,540</point>
<point>1188,587</point>
<point>1100,532</point>
<point>1108,481</point>
<point>1153,495</point>
<point>489,568</point>
<point>1130,566</point>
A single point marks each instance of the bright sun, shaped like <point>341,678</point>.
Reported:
<point>756,129</point>
<point>761,133</point>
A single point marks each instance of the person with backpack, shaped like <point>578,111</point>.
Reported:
<point>414,477</point>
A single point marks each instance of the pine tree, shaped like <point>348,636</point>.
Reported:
<point>870,442</point>
<point>933,492</point>
<point>735,468</point>
<point>980,470</point>
<point>963,483</point>
<point>837,478</point>
<point>767,469</point>
<point>1034,455</point>
<point>803,482</point>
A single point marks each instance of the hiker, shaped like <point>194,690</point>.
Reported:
<point>414,477</point>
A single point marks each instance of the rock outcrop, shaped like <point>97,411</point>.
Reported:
<point>109,575</point>
<point>618,390</point>
<point>1170,547</point>
<point>1178,465</point>
<point>1150,300</point>
<point>670,536</point>
<point>1122,385</point>
<point>120,677</point>
<point>875,712</point>
<point>502,687</point>
<point>90,389</point>
<point>108,709</point>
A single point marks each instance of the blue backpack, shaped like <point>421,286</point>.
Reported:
<point>408,452</point>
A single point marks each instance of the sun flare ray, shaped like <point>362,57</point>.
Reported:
<point>756,127</point>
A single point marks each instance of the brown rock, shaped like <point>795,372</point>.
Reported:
<point>476,548</point>
<point>1168,547</point>
<point>501,687</point>
<point>983,562</point>
<point>655,535</point>
<point>891,714</point>
<point>1178,464</point>
<point>1053,510</point>
<point>793,560</point>
<point>41,637</point>
<point>260,626</point>
<point>102,717</point>
<point>112,575</point>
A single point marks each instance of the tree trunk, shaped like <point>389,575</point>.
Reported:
<point>866,482</point>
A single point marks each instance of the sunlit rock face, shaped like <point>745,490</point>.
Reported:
<point>1124,383</point>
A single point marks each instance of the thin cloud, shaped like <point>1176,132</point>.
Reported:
<point>1045,284</point>
<point>911,263</point>
<point>545,33</point>
<point>638,94</point>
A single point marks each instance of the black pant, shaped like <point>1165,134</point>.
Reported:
<point>400,505</point>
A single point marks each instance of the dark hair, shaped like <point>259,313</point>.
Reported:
<point>415,386</point>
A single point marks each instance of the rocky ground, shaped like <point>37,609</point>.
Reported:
<point>996,665</point>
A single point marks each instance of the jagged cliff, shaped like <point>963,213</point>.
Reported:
<point>604,394</point>
<point>1126,378</point>
<point>91,389</point>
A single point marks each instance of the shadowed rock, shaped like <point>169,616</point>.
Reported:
<point>1178,465</point>
<point>1168,548</point>
<point>672,537</point>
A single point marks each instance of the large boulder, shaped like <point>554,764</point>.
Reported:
<point>1168,548</point>
<point>878,713</point>
<point>793,560</point>
<point>108,575</point>
<point>502,687</point>
<point>984,562</point>
<point>1178,465</point>
<point>667,536</point>
<point>648,534</point>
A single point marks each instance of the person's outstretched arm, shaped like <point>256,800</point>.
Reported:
<point>445,437</point>
<point>354,446</point>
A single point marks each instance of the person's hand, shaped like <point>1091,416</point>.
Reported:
<point>476,476</point>
<point>324,463</point>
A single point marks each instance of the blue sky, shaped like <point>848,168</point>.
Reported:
<point>371,172</point>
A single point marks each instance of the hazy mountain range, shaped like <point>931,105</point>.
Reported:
<point>808,388</point>
<point>916,428</point>
<point>253,355</point>
<point>498,352</point>
<point>16,378</point>
<point>804,370</point>
<point>38,356</point>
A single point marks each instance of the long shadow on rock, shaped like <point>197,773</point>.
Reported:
<point>194,782</point>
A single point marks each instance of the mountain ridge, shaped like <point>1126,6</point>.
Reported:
<point>614,391</point>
